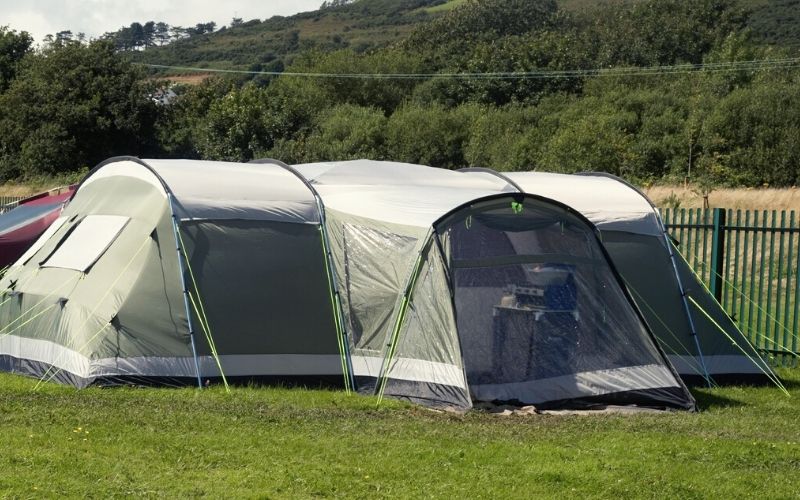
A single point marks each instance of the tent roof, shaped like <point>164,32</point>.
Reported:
<point>392,192</point>
<point>398,193</point>
<point>221,190</point>
<point>609,203</point>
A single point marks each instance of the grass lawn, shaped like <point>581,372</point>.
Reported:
<point>299,443</point>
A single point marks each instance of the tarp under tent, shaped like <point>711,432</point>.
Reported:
<point>402,280</point>
<point>22,225</point>
<point>701,340</point>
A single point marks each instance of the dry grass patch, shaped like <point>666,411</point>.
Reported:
<point>738,198</point>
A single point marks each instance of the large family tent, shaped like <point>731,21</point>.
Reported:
<point>99,298</point>
<point>406,281</point>
<point>456,289</point>
<point>23,224</point>
<point>703,343</point>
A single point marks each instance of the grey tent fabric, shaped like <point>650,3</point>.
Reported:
<point>634,237</point>
<point>401,294</point>
<point>413,282</point>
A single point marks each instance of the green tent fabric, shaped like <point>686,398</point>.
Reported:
<point>404,280</point>
<point>99,298</point>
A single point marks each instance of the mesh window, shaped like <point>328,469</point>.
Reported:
<point>537,301</point>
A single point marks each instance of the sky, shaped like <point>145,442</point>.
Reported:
<point>95,17</point>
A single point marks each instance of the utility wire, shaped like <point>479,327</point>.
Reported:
<point>754,65</point>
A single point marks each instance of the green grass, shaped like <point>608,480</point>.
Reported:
<point>297,443</point>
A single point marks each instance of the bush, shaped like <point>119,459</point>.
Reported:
<point>432,135</point>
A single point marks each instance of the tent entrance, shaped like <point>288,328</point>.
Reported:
<point>516,304</point>
<point>509,332</point>
<point>540,315</point>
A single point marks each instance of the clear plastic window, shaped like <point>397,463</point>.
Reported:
<point>87,242</point>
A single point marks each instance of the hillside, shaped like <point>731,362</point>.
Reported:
<point>777,22</point>
<point>730,122</point>
<point>272,44</point>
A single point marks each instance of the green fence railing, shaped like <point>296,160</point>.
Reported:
<point>750,260</point>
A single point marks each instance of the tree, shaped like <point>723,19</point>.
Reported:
<point>347,132</point>
<point>385,94</point>
<point>178,32</point>
<point>659,32</point>
<point>180,123</point>
<point>72,106</point>
<point>593,137</point>
<point>202,28</point>
<point>63,37</point>
<point>162,35</point>
<point>430,135</point>
<point>234,128</point>
<point>137,35</point>
<point>13,47</point>
<point>149,34</point>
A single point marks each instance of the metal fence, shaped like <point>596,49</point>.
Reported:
<point>9,202</point>
<point>750,261</point>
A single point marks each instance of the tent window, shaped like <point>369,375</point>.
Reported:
<point>44,238</point>
<point>376,263</point>
<point>87,242</point>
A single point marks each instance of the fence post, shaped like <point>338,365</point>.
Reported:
<point>718,254</point>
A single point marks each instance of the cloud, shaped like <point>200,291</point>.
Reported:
<point>95,17</point>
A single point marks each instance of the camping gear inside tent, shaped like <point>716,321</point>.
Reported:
<point>412,282</point>
<point>703,343</point>
<point>99,298</point>
<point>22,225</point>
<point>456,290</point>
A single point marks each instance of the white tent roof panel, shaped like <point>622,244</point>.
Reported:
<point>608,203</point>
<point>398,193</point>
<point>224,190</point>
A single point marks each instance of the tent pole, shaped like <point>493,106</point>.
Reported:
<point>182,277</point>
<point>692,327</point>
<point>335,289</point>
<point>408,291</point>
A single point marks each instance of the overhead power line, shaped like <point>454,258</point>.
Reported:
<point>754,65</point>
